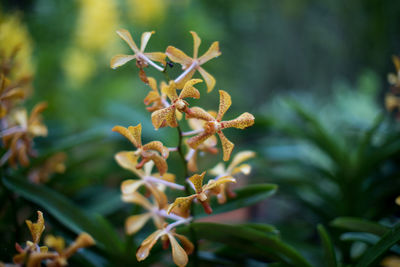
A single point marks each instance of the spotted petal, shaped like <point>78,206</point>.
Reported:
<point>181,206</point>
<point>215,183</point>
<point>160,163</point>
<point>37,228</point>
<point>199,113</point>
<point>224,103</point>
<point>132,133</point>
<point>227,146</point>
<point>243,121</point>
<point>189,91</point>
<point>197,181</point>
<point>167,115</point>
<point>195,141</point>
<point>157,146</point>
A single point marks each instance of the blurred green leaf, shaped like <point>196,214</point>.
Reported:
<point>329,249</point>
<point>374,253</point>
<point>360,225</point>
<point>67,213</point>
<point>254,243</point>
<point>367,238</point>
<point>245,196</point>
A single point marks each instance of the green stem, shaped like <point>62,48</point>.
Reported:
<point>187,191</point>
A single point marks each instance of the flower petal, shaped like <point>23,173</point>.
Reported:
<point>132,133</point>
<point>187,245</point>
<point>224,103</point>
<point>37,228</point>
<point>181,206</point>
<point>145,39</point>
<point>211,53</point>
<point>82,241</point>
<point>239,158</point>
<point>197,181</point>
<point>227,146</point>
<point>178,253</point>
<point>126,36</point>
<point>189,91</point>
<point>219,169</point>
<point>196,44</point>
<point>160,163</point>
<point>57,243</point>
<point>165,114</point>
<point>199,113</point>
<point>208,78</point>
<point>215,183</point>
<point>128,160</point>
<point>135,222</point>
<point>158,195</point>
<point>244,168</point>
<point>130,186</point>
<point>195,141</point>
<point>157,146</point>
<point>120,60</point>
<point>396,62</point>
<point>157,56</point>
<point>178,56</point>
<point>144,249</point>
<point>137,199</point>
<point>243,121</point>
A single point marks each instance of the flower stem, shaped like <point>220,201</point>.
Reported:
<point>187,190</point>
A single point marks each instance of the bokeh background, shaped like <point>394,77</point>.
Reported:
<point>331,57</point>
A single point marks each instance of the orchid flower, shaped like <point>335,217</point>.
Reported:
<point>191,64</point>
<point>215,125</point>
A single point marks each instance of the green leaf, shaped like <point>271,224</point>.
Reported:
<point>367,238</point>
<point>360,225</point>
<point>374,253</point>
<point>254,243</point>
<point>329,250</point>
<point>68,213</point>
<point>245,196</point>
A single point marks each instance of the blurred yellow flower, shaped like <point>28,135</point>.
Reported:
<point>78,66</point>
<point>54,164</point>
<point>96,24</point>
<point>15,44</point>
<point>146,12</point>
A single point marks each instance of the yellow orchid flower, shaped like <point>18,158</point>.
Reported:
<point>208,146</point>
<point>32,254</point>
<point>155,183</point>
<point>9,93</point>
<point>179,254</point>
<point>190,65</point>
<point>166,116</point>
<point>215,125</point>
<point>18,139</point>
<point>181,205</point>
<point>54,164</point>
<point>154,98</point>
<point>233,169</point>
<point>154,151</point>
<point>394,78</point>
<point>63,254</point>
<point>142,59</point>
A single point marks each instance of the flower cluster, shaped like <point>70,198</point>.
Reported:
<point>169,103</point>
<point>18,127</point>
<point>33,255</point>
